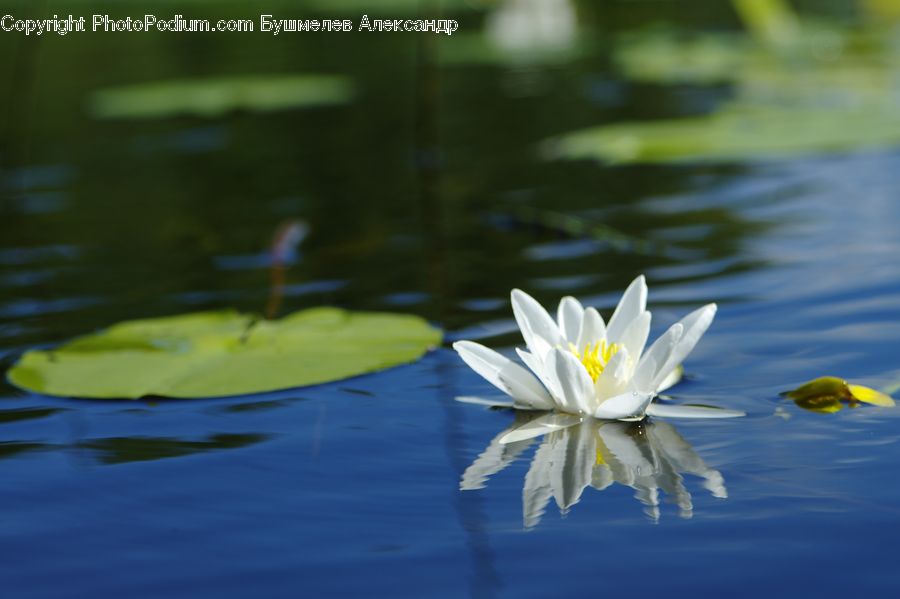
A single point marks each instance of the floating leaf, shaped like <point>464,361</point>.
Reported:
<point>665,58</point>
<point>824,404</point>
<point>772,22</point>
<point>480,49</point>
<point>826,386</point>
<point>800,88</point>
<point>871,396</point>
<point>211,354</point>
<point>215,97</point>
<point>829,393</point>
<point>737,133</point>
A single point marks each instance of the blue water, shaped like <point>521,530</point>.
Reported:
<point>374,486</point>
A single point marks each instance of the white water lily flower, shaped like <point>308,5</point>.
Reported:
<point>580,365</point>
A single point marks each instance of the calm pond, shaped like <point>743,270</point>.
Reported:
<point>424,184</point>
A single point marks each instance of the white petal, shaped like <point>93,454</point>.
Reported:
<point>630,404</point>
<point>695,324</point>
<point>576,386</point>
<point>674,411</point>
<point>614,378</point>
<point>569,316</point>
<point>633,302</point>
<point>593,329</point>
<point>673,378</point>
<point>644,373</point>
<point>533,362</point>
<point>505,374</point>
<point>547,423</point>
<point>482,401</point>
<point>539,347</point>
<point>534,321</point>
<point>655,358</point>
<point>635,336</point>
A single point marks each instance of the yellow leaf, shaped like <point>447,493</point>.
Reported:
<point>826,393</point>
<point>866,395</point>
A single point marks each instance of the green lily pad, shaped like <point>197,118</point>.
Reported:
<point>800,88</point>
<point>213,354</point>
<point>738,133</point>
<point>701,59</point>
<point>217,96</point>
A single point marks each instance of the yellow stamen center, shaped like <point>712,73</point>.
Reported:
<point>595,356</point>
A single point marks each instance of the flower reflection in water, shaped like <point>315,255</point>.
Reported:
<point>647,456</point>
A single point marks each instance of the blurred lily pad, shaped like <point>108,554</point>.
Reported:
<point>829,394</point>
<point>663,57</point>
<point>734,133</point>
<point>214,97</point>
<point>212,354</point>
<point>481,49</point>
<point>800,87</point>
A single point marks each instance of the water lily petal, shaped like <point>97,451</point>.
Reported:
<point>547,423</point>
<point>635,336</point>
<point>569,316</point>
<point>576,386</point>
<point>533,321</point>
<point>673,378</point>
<point>593,329</point>
<point>630,404</point>
<point>545,374</point>
<point>655,357</point>
<point>539,347</point>
<point>614,378</point>
<point>695,324</point>
<point>871,396</point>
<point>534,364</point>
<point>633,302</point>
<point>485,401</point>
<point>688,411</point>
<point>505,374</point>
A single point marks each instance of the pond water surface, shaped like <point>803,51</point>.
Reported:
<point>427,193</point>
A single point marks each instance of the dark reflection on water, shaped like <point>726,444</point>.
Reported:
<point>428,194</point>
<point>27,414</point>
<point>12,448</point>
<point>118,450</point>
<point>252,406</point>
